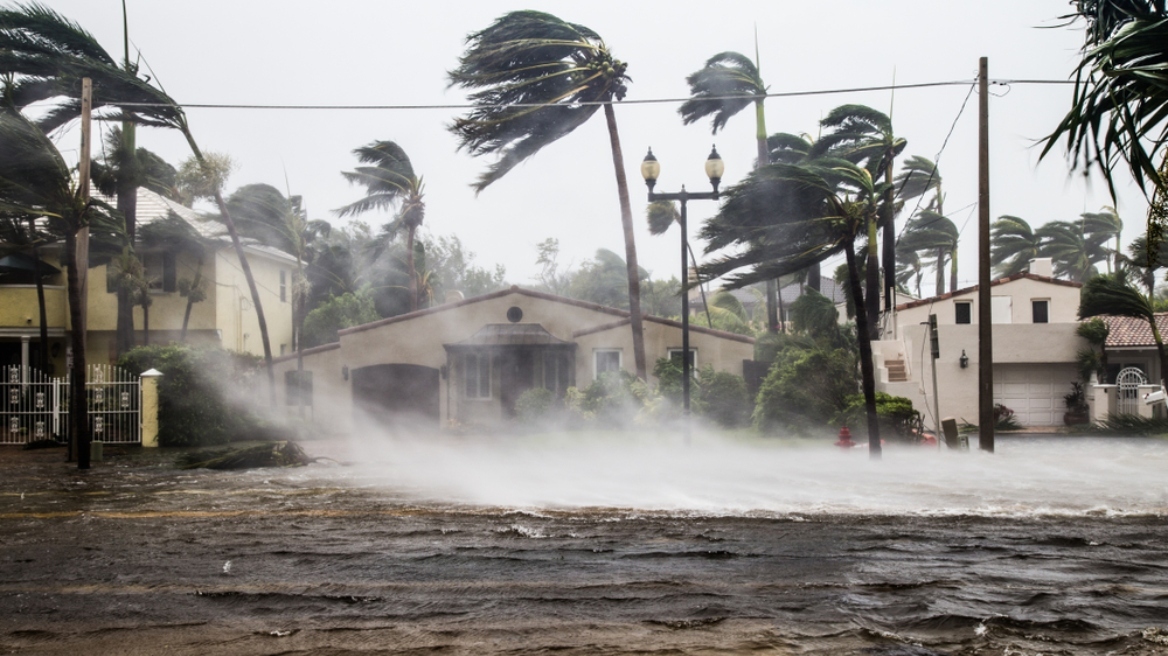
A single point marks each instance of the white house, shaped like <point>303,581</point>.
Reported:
<point>1035,319</point>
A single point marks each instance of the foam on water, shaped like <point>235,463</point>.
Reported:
<point>718,476</point>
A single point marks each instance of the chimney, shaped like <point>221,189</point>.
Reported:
<point>1042,266</point>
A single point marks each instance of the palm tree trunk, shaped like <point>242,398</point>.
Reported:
<point>410,268</point>
<point>889,241</point>
<point>127,202</point>
<point>867,372</point>
<point>78,405</point>
<point>953,269</point>
<point>247,273</point>
<point>940,282</point>
<point>872,302</point>
<point>146,317</point>
<point>764,158</point>
<point>626,210</point>
<point>191,299</point>
<point>43,353</point>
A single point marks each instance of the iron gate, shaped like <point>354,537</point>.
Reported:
<point>35,406</point>
<point>1129,381</point>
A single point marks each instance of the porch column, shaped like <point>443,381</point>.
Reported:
<point>149,409</point>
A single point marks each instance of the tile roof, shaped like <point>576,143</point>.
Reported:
<point>1133,332</point>
<point>993,283</point>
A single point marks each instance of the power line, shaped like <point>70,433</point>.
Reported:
<point>647,101</point>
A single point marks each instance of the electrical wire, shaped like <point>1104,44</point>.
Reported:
<point>646,101</point>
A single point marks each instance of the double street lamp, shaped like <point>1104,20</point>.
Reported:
<point>651,170</point>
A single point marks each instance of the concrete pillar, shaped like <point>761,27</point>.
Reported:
<point>1104,399</point>
<point>24,362</point>
<point>149,410</point>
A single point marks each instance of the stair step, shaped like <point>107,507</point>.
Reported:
<point>897,372</point>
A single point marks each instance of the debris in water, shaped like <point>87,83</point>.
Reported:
<point>227,567</point>
<point>273,454</point>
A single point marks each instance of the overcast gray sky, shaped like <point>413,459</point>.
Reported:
<point>366,52</point>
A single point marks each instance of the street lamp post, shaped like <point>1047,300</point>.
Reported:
<point>650,170</point>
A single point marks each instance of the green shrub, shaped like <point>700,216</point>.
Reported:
<point>898,419</point>
<point>194,393</point>
<point>805,388</point>
<point>536,404</point>
<point>722,397</point>
<point>668,373</point>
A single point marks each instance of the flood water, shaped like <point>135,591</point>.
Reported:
<point>594,545</point>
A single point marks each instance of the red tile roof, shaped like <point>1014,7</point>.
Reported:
<point>1133,332</point>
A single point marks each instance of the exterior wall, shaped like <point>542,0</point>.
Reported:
<point>1063,308</point>
<point>234,312</point>
<point>19,309</point>
<point>332,397</point>
<point>419,340</point>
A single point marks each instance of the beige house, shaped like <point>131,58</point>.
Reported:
<point>226,317</point>
<point>469,360</point>
<point>1035,319</point>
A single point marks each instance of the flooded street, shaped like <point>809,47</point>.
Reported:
<point>530,546</point>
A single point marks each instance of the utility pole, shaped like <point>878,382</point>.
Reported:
<point>985,351</point>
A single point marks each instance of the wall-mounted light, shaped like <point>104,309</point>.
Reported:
<point>964,359</point>
<point>345,371</point>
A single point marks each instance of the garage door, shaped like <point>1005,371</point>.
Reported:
<point>1034,391</point>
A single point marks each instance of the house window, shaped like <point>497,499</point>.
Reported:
<point>675,357</point>
<point>161,272</point>
<point>476,370</point>
<point>556,372</point>
<point>283,349</point>
<point>964,312</point>
<point>1041,311</point>
<point>606,360</point>
<point>283,286</point>
<point>297,386</point>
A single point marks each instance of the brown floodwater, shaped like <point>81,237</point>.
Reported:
<point>628,546</point>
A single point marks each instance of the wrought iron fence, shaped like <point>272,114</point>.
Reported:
<point>35,406</point>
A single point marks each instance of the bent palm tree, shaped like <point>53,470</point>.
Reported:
<point>1113,295</point>
<point>727,84</point>
<point>782,218</point>
<point>35,181</point>
<point>1012,245</point>
<point>1119,111</point>
<point>864,136</point>
<point>390,182</point>
<point>1074,253</point>
<point>536,78</point>
<point>1106,224</point>
<point>937,236</point>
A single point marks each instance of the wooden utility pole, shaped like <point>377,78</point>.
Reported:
<point>78,407</point>
<point>985,317</point>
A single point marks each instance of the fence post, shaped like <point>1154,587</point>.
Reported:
<point>150,407</point>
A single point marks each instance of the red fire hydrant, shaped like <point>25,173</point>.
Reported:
<point>845,439</point>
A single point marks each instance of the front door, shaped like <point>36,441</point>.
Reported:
<point>516,377</point>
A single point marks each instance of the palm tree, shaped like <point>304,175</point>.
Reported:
<point>1107,224</point>
<point>47,56</point>
<point>909,268</point>
<point>1012,245</point>
<point>936,235</point>
<point>728,83</point>
<point>782,218</point>
<point>1074,253</point>
<point>174,233</point>
<point>1120,104</point>
<point>35,181</point>
<point>119,174</point>
<point>1114,295</point>
<point>537,78</point>
<point>864,135</point>
<point>264,214</point>
<point>389,182</point>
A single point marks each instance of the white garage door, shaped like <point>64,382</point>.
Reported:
<point>1034,391</point>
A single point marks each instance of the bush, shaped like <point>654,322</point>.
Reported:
<point>722,398</point>
<point>194,393</point>
<point>536,404</point>
<point>897,418</point>
<point>1004,418</point>
<point>338,312</point>
<point>805,389</point>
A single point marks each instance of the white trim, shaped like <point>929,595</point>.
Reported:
<point>670,351</point>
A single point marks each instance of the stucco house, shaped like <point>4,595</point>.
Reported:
<point>225,318</point>
<point>468,361</point>
<point>1035,319</point>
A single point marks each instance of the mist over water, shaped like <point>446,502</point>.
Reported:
<point>726,476</point>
